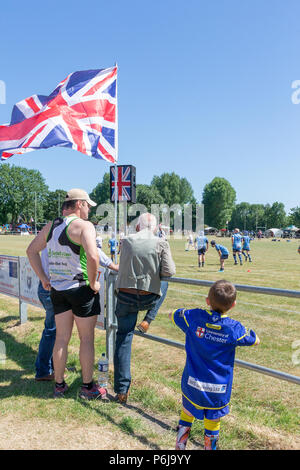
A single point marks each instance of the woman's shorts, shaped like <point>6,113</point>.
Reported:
<point>201,413</point>
<point>81,300</point>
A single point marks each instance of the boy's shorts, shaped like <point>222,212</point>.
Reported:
<point>81,300</point>
<point>201,413</point>
<point>201,251</point>
<point>224,256</point>
<point>237,250</point>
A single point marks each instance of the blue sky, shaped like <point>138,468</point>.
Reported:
<point>204,87</point>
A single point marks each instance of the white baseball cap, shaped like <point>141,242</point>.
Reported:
<point>77,194</point>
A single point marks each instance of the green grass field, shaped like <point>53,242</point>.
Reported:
<point>264,410</point>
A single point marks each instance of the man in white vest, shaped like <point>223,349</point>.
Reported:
<point>73,267</point>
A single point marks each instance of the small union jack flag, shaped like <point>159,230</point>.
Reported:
<point>124,182</point>
<point>80,113</point>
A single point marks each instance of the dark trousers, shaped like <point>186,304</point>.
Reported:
<point>127,309</point>
<point>44,361</point>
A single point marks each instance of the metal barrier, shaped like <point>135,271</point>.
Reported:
<point>17,269</point>
<point>111,324</point>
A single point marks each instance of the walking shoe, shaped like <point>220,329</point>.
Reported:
<point>46,378</point>
<point>121,398</point>
<point>221,270</point>
<point>59,391</point>
<point>143,326</point>
<point>94,393</point>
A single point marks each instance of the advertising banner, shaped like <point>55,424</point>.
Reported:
<point>18,279</point>
<point>29,283</point>
<point>9,279</point>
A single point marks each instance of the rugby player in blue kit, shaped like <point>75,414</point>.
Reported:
<point>246,247</point>
<point>236,240</point>
<point>113,244</point>
<point>223,253</point>
<point>211,340</point>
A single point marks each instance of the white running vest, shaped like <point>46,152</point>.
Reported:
<point>67,259</point>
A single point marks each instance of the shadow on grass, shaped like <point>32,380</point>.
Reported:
<point>158,424</point>
<point>106,414</point>
<point>24,356</point>
<point>18,385</point>
<point>17,320</point>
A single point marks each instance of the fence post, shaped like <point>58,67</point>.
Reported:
<point>22,305</point>
<point>23,312</point>
<point>110,315</point>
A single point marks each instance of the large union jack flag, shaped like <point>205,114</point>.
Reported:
<point>81,113</point>
<point>124,182</point>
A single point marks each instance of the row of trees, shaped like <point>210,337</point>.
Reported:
<point>25,197</point>
<point>219,199</point>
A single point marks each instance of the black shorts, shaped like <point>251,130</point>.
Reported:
<point>81,300</point>
<point>224,256</point>
<point>201,251</point>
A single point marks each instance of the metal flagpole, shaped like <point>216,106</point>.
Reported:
<point>110,299</point>
<point>35,230</point>
<point>116,168</point>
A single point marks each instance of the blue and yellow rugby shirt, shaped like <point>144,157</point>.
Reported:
<point>211,339</point>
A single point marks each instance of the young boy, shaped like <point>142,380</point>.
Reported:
<point>223,253</point>
<point>211,340</point>
<point>201,243</point>
<point>112,244</point>
<point>236,241</point>
<point>246,247</point>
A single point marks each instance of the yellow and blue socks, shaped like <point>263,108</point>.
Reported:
<point>183,430</point>
<point>211,434</point>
